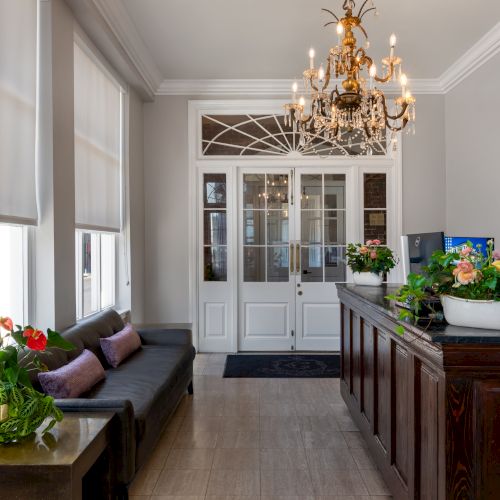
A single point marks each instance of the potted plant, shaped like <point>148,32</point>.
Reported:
<point>23,409</point>
<point>467,283</point>
<point>369,262</point>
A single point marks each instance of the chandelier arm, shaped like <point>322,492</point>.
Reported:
<point>311,81</point>
<point>327,74</point>
<point>366,12</point>
<point>399,115</point>
<point>330,12</point>
<point>363,30</point>
<point>362,7</point>
<point>386,78</point>
<point>396,129</point>
<point>404,107</point>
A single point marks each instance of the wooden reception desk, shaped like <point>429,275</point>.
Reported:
<point>428,403</point>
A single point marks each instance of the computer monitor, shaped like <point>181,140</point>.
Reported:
<point>417,250</point>
<point>456,243</point>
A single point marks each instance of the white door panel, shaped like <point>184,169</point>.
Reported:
<point>323,221</point>
<point>266,291</point>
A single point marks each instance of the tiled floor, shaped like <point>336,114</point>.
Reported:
<point>269,439</point>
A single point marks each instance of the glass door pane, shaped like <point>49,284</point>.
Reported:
<point>214,227</point>
<point>375,207</point>
<point>266,227</point>
<point>322,227</point>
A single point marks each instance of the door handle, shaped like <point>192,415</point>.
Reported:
<point>291,258</point>
<point>297,258</point>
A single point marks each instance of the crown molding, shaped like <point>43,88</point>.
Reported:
<point>480,53</point>
<point>119,22</point>
<point>275,88</point>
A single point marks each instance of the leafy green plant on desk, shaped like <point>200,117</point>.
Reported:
<point>413,295</point>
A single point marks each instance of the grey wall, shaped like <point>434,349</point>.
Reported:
<point>166,175</point>
<point>472,165</point>
<point>424,172</point>
<point>167,294</point>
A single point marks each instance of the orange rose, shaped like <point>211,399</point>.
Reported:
<point>363,250</point>
<point>465,278</point>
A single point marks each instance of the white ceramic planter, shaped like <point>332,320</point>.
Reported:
<point>367,279</point>
<point>471,313</point>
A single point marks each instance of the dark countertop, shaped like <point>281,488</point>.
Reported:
<point>439,333</point>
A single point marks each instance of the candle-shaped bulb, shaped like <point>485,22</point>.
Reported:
<point>392,42</point>
<point>311,58</point>
<point>302,100</point>
<point>321,73</point>
<point>404,82</point>
<point>340,28</point>
<point>295,87</point>
<point>373,71</point>
<point>408,96</point>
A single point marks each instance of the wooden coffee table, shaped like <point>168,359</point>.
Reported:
<point>52,467</point>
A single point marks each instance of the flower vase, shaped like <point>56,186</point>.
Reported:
<point>367,279</point>
<point>471,313</point>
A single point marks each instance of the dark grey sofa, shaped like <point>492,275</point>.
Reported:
<point>143,391</point>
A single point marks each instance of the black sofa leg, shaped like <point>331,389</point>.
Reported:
<point>190,388</point>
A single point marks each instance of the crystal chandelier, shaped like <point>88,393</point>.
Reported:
<point>360,110</point>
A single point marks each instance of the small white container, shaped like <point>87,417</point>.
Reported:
<point>471,313</point>
<point>367,279</point>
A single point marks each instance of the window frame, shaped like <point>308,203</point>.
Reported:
<point>97,258</point>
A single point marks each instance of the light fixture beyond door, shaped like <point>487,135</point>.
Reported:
<point>359,110</point>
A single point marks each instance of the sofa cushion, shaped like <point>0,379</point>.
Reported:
<point>73,379</point>
<point>144,379</point>
<point>120,345</point>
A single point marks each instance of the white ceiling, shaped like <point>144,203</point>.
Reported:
<point>242,39</point>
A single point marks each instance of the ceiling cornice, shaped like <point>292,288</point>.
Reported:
<point>480,53</point>
<point>254,87</point>
<point>123,28</point>
<point>119,22</point>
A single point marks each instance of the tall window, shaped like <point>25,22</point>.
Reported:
<point>13,272</point>
<point>98,168</point>
<point>96,264</point>
<point>18,207</point>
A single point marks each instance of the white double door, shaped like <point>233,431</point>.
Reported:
<point>293,227</point>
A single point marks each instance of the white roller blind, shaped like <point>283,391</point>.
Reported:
<point>97,146</point>
<point>18,56</point>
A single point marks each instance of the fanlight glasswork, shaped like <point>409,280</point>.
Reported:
<point>259,135</point>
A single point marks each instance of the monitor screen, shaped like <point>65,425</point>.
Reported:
<point>418,248</point>
<point>456,243</point>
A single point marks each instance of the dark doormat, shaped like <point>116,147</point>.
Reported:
<point>282,366</point>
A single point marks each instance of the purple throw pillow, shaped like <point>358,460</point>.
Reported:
<point>73,379</point>
<point>120,345</point>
